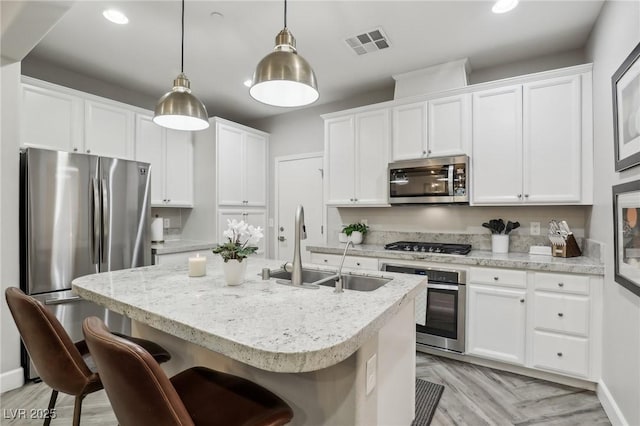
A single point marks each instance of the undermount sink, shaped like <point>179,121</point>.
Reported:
<point>349,281</point>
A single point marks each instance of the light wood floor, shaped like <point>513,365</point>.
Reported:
<point>473,395</point>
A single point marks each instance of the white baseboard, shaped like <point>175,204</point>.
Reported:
<point>610,406</point>
<point>11,380</point>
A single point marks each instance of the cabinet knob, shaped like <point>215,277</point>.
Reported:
<point>355,199</point>
<point>357,263</point>
<point>75,149</point>
<point>559,354</point>
<point>88,151</point>
<point>526,195</point>
<point>560,314</point>
<point>521,300</point>
<point>429,151</point>
<point>325,260</point>
<point>496,278</point>
<point>424,152</point>
<point>560,284</point>
<point>168,201</point>
<point>281,238</point>
<point>519,195</point>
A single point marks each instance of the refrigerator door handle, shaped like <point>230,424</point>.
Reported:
<point>62,300</point>
<point>105,215</point>
<point>95,220</point>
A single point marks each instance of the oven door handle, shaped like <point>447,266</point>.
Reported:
<point>453,287</point>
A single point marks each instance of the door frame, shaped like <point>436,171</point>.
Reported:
<point>276,203</point>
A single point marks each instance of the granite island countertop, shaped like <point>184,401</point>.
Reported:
<point>180,246</point>
<point>261,323</point>
<point>577,265</point>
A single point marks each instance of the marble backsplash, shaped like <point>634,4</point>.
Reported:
<point>517,243</point>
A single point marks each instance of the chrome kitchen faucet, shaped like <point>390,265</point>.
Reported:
<point>300,234</point>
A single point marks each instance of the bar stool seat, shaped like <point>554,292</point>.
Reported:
<point>142,394</point>
<point>63,365</point>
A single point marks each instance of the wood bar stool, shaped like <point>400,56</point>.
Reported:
<point>62,364</point>
<point>142,394</point>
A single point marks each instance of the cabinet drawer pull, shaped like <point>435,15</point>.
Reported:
<point>521,300</point>
<point>559,353</point>
<point>560,284</point>
<point>560,314</point>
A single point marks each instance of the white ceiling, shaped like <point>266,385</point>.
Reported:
<point>221,53</point>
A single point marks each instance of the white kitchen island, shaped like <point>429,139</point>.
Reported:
<point>337,359</point>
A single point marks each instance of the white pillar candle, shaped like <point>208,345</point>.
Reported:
<point>197,266</point>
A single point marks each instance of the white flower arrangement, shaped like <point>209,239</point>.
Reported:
<point>242,238</point>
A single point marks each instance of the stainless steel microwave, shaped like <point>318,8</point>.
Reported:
<point>430,181</point>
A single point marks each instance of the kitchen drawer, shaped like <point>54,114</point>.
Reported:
<point>564,283</point>
<point>356,262</point>
<point>564,354</point>
<point>500,277</point>
<point>561,313</point>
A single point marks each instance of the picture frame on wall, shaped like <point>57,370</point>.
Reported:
<point>626,112</point>
<point>626,235</point>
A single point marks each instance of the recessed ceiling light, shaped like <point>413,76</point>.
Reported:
<point>503,6</point>
<point>248,82</point>
<point>115,16</point>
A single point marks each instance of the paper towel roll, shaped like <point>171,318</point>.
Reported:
<point>157,231</point>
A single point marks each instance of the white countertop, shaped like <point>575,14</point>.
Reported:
<point>578,265</point>
<point>179,246</point>
<point>267,325</point>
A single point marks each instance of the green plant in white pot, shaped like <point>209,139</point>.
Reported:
<point>354,232</point>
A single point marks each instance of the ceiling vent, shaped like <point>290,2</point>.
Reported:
<point>369,41</point>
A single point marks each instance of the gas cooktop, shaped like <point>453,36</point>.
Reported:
<point>429,247</point>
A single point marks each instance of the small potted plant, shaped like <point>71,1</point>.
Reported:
<point>354,232</point>
<point>241,240</point>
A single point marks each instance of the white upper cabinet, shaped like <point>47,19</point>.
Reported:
<point>532,143</point>
<point>356,159</point>
<point>409,131</point>
<point>241,165</point>
<point>340,160</point>
<point>59,118</point>
<point>552,140</point>
<point>50,119</point>
<point>449,128</point>
<point>437,128</point>
<point>497,146</point>
<point>108,130</point>
<point>150,149</point>
<point>170,153</point>
<point>179,168</point>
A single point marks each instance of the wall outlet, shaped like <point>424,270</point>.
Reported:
<point>167,223</point>
<point>534,228</point>
<point>371,373</point>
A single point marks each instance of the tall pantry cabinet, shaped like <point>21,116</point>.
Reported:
<point>241,177</point>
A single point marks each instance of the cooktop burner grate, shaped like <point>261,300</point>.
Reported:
<point>444,248</point>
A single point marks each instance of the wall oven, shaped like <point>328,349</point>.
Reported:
<point>440,310</point>
<point>429,181</point>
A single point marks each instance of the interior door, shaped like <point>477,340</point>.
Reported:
<point>298,181</point>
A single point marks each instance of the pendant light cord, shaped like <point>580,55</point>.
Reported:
<point>285,13</point>
<point>182,42</point>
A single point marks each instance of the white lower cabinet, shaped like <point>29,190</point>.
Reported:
<point>496,323</point>
<point>561,353</point>
<point>181,258</point>
<point>541,320</point>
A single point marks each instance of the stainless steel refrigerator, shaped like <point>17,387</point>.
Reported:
<point>79,215</point>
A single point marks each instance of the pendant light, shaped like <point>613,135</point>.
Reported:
<point>283,78</point>
<point>178,109</point>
